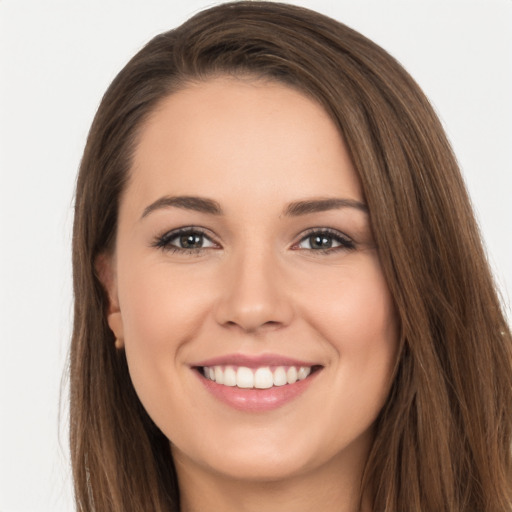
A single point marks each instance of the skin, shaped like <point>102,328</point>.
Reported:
<point>256,287</point>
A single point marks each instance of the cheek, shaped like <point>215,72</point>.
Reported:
<point>357,321</point>
<point>161,312</point>
<point>356,317</point>
<point>355,308</point>
<point>160,307</point>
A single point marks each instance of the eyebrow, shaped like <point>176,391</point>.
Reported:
<point>295,209</point>
<point>198,204</point>
<point>321,205</point>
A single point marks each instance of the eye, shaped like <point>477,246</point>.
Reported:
<point>325,240</point>
<point>185,240</point>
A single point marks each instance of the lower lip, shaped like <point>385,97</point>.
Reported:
<point>257,400</point>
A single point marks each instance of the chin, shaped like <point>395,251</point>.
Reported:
<point>260,466</point>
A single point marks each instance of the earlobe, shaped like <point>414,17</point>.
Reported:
<point>105,270</point>
<point>115,322</point>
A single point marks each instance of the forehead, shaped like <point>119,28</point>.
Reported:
<point>229,137</point>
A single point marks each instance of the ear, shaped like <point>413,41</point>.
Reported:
<point>106,272</point>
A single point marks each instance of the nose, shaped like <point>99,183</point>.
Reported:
<point>253,295</point>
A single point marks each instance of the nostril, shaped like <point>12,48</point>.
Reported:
<point>254,327</point>
<point>254,304</point>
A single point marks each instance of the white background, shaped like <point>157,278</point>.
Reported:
<point>56,60</point>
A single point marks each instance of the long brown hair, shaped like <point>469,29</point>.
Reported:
<point>443,438</point>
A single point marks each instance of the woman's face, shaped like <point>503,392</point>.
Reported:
<point>244,253</point>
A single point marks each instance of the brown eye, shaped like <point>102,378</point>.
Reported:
<point>184,240</point>
<point>191,241</point>
<point>325,240</point>
<point>320,242</point>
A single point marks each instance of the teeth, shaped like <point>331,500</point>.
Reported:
<point>263,378</point>
<point>229,377</point>
<point>291,375</point>
<point>219,375</point>
<point>303,372</point>
<point>280,376</point>
<point>244,377</point>
<point>260,378</point>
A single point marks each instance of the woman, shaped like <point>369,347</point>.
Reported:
<point>281,297</point>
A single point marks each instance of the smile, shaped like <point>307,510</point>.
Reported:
<point>256,383</point>
<point>263,377</point>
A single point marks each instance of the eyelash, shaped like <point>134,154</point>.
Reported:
<point>346,244</point>
<point>164,241</point>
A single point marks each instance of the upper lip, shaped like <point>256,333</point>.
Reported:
<point>254,361</point>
